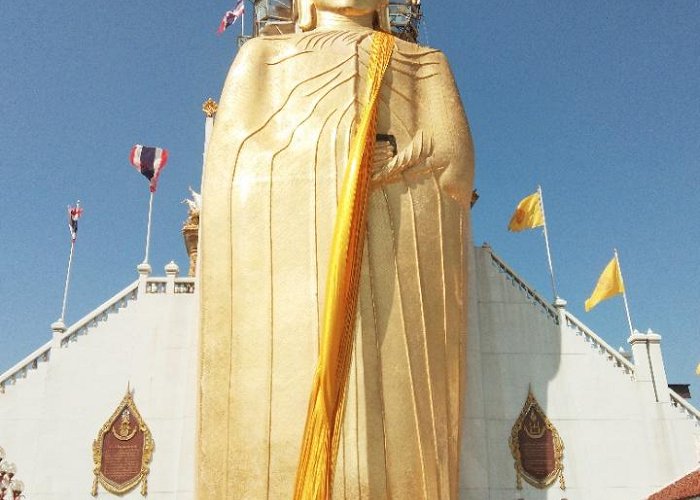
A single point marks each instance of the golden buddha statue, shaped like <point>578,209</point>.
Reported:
<point>274,170</point>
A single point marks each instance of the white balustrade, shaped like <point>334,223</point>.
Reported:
<point>593,340</point>
<point>678,401</point>
<point>156,286</point>
<point>91,320</point>
<point>184,285</point>
<point>81,327</point>
<point>599,345</point>
<point>529,292</point>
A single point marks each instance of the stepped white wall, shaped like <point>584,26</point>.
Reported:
<point>619,443</point>
<point>49,419</point>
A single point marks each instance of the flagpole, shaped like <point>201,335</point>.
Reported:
<point>70,264</point>
<point>624,293</point>
<point>546,243</point>
<point>65,288</point>
<point>148,228</point>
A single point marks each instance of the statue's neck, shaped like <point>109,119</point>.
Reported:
<point>327,20</point>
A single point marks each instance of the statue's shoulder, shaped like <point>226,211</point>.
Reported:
<point>418,53</point>
<point>270,47</point>
<point>264,48</point>
<point>274,42</point>
<point>254,48</point>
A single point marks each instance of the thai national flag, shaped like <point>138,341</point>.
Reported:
<point>74,214</point>
<point>231,16</point>
<point>149,161</point>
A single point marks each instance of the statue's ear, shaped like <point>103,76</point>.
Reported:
<point>305,13</point>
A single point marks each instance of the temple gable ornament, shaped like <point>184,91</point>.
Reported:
<point>122,451</point>
<point>537,448</point>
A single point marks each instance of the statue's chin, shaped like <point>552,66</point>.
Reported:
<point>348,7</point>
<point>344,19</point>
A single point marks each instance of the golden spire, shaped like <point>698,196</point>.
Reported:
<point>209,107</point>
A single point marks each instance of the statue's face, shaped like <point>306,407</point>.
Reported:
<point>350,7</point>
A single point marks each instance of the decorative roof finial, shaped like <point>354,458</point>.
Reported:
<point>210,107</point>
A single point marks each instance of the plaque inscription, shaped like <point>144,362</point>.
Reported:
<point>122,450</point>
<point>536,447</point>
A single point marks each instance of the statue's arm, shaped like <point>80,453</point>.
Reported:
<point>441,145</point>
<point>453,160</point>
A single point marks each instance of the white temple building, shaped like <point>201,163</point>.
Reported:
<point>625,434</point>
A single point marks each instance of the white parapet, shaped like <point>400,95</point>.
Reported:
<point>649,363</point>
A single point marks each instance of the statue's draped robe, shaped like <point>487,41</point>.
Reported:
<point>272,176</point>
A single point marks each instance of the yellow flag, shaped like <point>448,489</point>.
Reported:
<point>609,284</point>
<point>697,370</point>
<point>528,214</point>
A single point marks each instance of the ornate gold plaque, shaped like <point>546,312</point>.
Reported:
<point>536,447</point>
<point>122,450</point>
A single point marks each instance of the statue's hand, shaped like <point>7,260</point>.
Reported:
<point>388,167</point>
<point>383,153</point>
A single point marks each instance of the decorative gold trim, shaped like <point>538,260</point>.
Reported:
<point>536,432</point>
<point>125,433</point>
<point>210,107</point>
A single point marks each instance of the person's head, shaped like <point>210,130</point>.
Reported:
<point>306,11</point>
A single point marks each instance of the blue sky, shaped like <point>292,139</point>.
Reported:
<point>596,101</point>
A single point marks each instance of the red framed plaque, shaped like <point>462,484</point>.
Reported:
<point>536,447</point>
<point>122,450</point>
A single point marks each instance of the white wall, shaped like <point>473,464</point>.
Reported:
<point>619,443</point>
<point>50,419</point>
